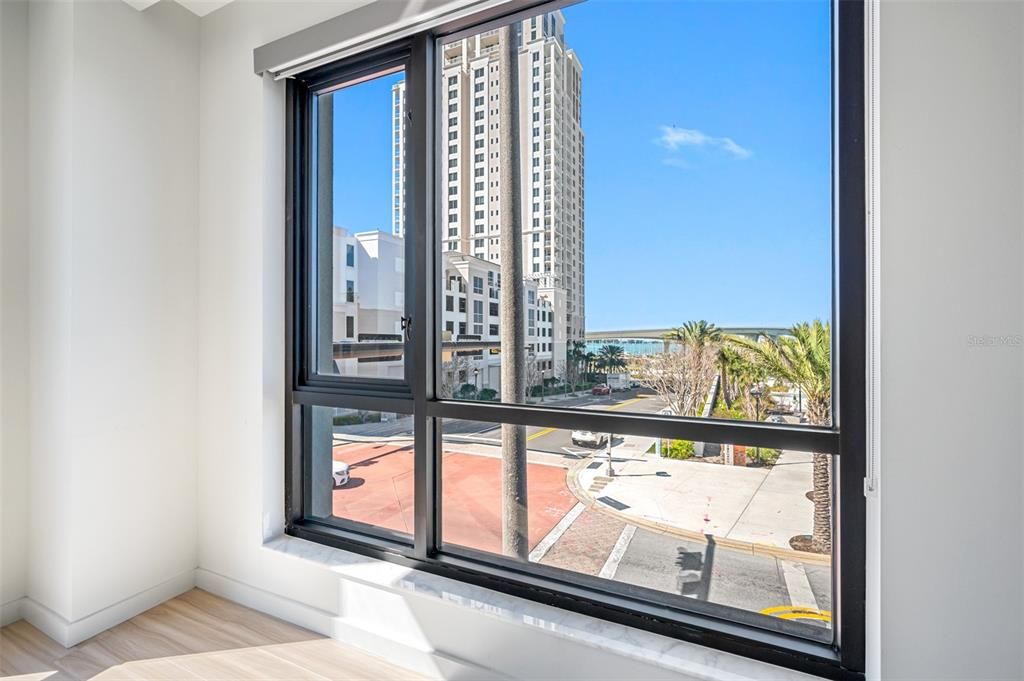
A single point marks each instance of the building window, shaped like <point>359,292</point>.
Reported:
<point>737,578</point>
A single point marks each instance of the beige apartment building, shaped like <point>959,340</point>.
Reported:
<point>551,157</point>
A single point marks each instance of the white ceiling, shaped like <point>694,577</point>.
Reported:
<point>198,7</point>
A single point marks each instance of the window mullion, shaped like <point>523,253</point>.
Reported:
<point>419,190</point>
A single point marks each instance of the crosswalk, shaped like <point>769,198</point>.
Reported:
<point>590,542</point>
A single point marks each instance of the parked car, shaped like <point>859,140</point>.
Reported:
<point>585,438</point>
<point>775,418</point>
<point>600,389</point>
<point>340,473</point>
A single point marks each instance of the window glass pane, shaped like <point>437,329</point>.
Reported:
<point>669,252</point>
<point>722,526</point>
<point>362,468</point>
<point>360,229</point>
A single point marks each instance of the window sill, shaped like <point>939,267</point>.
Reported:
<point>694,661</point>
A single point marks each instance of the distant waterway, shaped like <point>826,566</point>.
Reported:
<point>631,346</point>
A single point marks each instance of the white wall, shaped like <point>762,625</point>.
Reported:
<point>951,515</point>
<point>154,343</point>
<point>951,248</point>
<point>113,298</point>
<point>51,520</point>
<point>241,283</point>
<point>13,307</point>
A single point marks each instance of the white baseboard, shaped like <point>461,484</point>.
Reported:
<point>429,663</point>
<point>432,664</point>
<point>11,611</point>
<point>68,633</point>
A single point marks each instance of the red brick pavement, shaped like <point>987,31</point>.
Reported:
<point>380,493</point>
<point>585,546</point>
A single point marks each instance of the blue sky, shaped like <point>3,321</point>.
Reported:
<point>708,160</point>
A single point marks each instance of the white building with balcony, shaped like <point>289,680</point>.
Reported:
<point>471,324</point>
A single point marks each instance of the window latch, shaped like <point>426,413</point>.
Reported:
<point>407,327</point>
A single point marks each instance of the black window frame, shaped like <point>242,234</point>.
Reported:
<point>701,623</point>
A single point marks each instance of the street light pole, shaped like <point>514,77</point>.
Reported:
<point>611,471</point>
<point>756,393</point>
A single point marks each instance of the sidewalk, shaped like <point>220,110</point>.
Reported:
<point>758,505</point>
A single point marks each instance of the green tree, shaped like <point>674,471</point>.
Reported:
<point>731,365</point>
<point>697,334</point>
<point>611,358</point>
<point>804,358</point>
<point>575,362</point>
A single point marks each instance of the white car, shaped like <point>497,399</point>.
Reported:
<point>340,473</point>
<point>775,418</point>
<point>585,438</point>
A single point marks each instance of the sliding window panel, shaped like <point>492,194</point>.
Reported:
<point>357,244</point>
<point>742,532</point>
<point>618,231</point>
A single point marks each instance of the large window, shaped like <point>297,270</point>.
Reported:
<point>564,315</point>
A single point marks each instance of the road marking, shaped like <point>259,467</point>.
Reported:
<point>620,405</point>
<point>798,586</point>
<point>545,544</point>
<point>618,551</point>
<point>540,433</point>
<point>791,609</point>
<point>804,606</point>
<point>804,615</point>
<point>789,612</point>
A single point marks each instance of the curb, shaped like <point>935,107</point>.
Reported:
<point>572,482</point>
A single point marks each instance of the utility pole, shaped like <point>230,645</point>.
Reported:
<point>514,518</point>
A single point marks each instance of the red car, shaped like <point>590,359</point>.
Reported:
<point>601,389</point>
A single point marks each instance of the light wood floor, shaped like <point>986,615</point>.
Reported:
<point>192,637</point>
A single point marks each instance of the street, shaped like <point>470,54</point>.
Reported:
<point>568,529</point>
<point>558,441</point>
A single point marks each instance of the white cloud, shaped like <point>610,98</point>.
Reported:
<point>672,138</point>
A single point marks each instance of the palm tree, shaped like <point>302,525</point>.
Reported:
<point>611,357</point>
<point>697,334</point>
<point>576,355</point>
<point>804,359</point>
<point>730,367</point>
<point>590,363</point>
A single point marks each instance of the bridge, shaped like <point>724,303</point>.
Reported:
<point>391,347</point>
<point>659,334</point>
